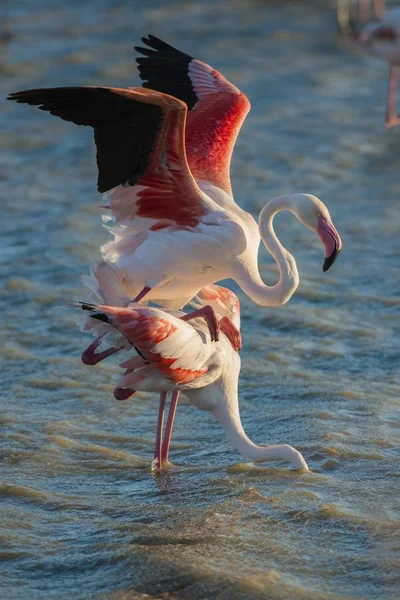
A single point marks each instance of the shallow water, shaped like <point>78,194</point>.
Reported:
<point>82,515</point>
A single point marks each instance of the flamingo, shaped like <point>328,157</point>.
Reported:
<point>175,356</point>
<point>382,38</point>
<point>163,156</point>
<point>227,309</point>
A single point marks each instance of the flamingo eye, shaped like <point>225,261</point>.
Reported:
<point>385,34</point>
<point>319,214</point>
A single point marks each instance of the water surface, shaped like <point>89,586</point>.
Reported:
<point>82,515</point>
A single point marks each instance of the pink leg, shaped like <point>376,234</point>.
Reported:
<point>391,111</point>
<point>90,358</point>
<point>142,294</point>
<point>169,426</point>
<point>208,314</point>
<point>157,462</point>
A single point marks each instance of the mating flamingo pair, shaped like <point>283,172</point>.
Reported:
<point>163,155</point>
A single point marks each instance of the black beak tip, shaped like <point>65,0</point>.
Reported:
<point>329,260</point>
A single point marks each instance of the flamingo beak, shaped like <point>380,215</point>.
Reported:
<point>331,241</point>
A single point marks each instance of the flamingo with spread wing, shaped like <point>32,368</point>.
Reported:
<point>163,155</point>
<point>382,38</point>
<point>175,356</point>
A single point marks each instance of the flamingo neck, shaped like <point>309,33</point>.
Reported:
<point>288,282</point>
<point>227,414</point>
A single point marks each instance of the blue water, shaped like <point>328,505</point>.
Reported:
<point>82,514</point>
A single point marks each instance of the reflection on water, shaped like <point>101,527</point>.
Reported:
<point>82,515</point>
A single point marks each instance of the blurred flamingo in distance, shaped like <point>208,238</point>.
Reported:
<point>382,38</point>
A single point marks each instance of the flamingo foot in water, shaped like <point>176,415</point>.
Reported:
<point>208,314</point>
<point>89,357</point>
<point>392,119</point>
<point>166,464</point>
<point>392,122</point>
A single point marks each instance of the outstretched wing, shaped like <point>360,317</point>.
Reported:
<point>217,108</point>
<point>140,140</point>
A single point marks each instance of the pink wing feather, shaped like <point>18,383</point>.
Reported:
<point>217,108</point>
<point>141,156</point>
<point>171,346</point>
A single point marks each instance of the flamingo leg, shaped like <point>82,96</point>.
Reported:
<point>142,294</point>
<point>391,111</point>
<point>157,462</point>
<point>89,357</point>
<point>168,429</point>
<point>208,314</point>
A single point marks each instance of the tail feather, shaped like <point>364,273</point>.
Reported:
<point>110,285</point>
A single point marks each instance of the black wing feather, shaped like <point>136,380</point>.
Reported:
<point>124,128</point>
<point>165,69</point>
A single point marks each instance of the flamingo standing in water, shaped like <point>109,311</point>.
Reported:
<point>382,38</point>
<point>175,356</point>
<point>227,309</point>
<point>165,172</point>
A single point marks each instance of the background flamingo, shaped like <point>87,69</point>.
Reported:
<point>177,225</point>
<point>382,38</point>
<point>179,357</point>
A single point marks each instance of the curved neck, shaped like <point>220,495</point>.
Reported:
<point>227,414</point>
<point>252,283</point>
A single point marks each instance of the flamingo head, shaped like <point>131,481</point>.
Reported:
<point>313,214</point>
